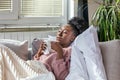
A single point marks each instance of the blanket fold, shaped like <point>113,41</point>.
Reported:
<point>14,68</point>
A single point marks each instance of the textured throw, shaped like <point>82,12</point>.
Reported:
<point>14,68</point>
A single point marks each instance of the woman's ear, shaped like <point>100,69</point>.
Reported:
<point>73,38</point>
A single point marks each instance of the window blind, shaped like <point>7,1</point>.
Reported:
<point>5,5</point>
<point>42,8</point>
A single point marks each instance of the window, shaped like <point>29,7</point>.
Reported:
<point>39,8</point>
<point>8,9</point>
<point>33,12</point>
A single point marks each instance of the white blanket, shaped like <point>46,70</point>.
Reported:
<point>14,68</point>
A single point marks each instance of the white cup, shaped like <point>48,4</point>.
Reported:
<point>48,48</point>
<point>48,44</point>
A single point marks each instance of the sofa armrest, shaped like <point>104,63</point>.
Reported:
<point>111,57</point>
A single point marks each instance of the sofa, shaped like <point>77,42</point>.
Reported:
<point>111,58</point>
<point>110,51</point>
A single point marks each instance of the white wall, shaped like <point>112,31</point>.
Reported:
<point>92,6</point>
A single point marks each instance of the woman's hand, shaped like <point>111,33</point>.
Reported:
<point>58,48</point>
<point>40,50</point>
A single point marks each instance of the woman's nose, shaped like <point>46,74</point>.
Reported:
<point>60,33</point>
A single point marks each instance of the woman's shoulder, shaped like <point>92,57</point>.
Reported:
<point>68,49</point>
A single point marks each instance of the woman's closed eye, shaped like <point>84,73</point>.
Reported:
<point>65,31</point>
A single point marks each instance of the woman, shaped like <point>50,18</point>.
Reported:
<point>58,61</point>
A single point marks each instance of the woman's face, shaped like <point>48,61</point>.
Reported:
<point>65,35</point>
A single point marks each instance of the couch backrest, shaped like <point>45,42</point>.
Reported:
<point>111,57</point>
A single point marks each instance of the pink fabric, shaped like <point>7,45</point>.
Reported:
<point>60,67</point>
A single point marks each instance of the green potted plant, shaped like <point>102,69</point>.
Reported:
<point>107,18</point>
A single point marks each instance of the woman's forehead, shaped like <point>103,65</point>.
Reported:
<point>67,27</point>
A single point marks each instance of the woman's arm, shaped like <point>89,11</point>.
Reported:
<point>61,62</point>
<point>58,48</point>
<point>61,66</point>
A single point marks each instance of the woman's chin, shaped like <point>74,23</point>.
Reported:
<point>58,41</point>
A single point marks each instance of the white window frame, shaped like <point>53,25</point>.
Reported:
<point>7,15</point>
<point>35,20</point>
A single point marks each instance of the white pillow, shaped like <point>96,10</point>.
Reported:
<point>87,43</point>
<point>20,48</point>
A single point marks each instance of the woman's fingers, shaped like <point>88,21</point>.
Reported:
<point>36,57</point>
<point>43,46</point>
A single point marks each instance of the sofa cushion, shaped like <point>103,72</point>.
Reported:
<point>35,45</point>
<point>111,58</point>
<point>19,47</point>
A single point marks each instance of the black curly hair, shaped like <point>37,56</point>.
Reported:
<point>79,25</point>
